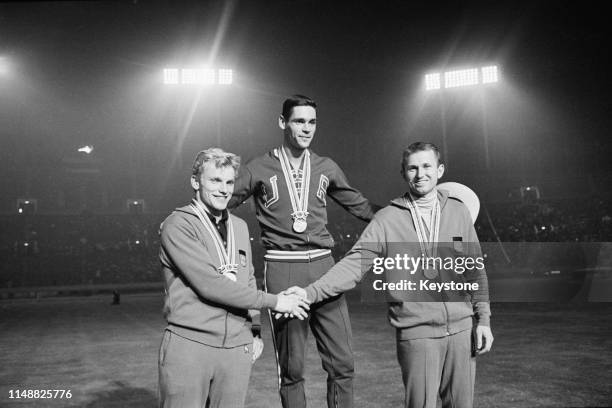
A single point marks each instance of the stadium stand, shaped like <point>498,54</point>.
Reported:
<point>87,252</point>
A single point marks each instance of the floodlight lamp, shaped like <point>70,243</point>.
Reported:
<point>489,74</point>
<point>226,76</point>
<point>188,76</point>
<point>463,77</point>
<point>205,76</point>
<point>171,76</point>
<point>432,81</point>
<point>198,76</point>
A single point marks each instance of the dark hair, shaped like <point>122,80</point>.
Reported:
<point>296,100</point>
<point>419,147</point>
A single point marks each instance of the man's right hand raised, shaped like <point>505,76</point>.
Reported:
<point>292,304</point>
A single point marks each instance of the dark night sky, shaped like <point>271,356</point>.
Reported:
<point>89,72</point>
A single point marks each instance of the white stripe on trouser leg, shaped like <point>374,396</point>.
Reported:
<point>278,367</point>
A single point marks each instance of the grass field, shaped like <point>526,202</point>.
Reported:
<point>545,355</point>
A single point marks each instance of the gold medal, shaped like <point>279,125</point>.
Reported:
<point>299,221</point>
<point>299,225</point>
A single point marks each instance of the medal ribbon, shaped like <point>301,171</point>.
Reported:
<point>299,199</point>
<point>227,256</point>
<point>434,225</point>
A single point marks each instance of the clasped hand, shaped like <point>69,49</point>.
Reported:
<point>292,303</point>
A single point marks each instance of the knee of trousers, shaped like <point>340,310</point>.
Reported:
<point>340,367</point>
<point>291,377</point>
<point>293,372</point>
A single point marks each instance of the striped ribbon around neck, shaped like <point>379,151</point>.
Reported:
<point>429,245</point>
<point>227,255</point>
<point>299,198</point>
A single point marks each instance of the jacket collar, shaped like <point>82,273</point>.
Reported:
<point>189,210</point>
<point>399,201</point>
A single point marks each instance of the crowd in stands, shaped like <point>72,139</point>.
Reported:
<point>587,220</point>
<point>48,250</point>
<point>43,250</point>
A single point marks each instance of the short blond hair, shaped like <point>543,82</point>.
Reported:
<point>215,155</point>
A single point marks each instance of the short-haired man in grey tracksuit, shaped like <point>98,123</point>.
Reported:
<point>207,350</point>
<point>435,347</point>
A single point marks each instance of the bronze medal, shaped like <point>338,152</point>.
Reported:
<point>430,273</point>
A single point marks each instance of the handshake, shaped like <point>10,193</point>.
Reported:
<point>292,303</point>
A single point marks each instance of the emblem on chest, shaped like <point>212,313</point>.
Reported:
<point>269,190</point>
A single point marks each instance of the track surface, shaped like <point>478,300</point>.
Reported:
<point>545,355</point>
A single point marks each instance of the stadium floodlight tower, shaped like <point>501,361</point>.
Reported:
<point>198,76</point>
<point>202,77</point>
<point>469,77</point>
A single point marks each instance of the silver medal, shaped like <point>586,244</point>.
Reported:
<point>229,271</point>
<point>230,275</point>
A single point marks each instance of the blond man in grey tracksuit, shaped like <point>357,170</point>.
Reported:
<point>207,350</point>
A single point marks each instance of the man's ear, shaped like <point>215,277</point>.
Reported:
<point>441,169</point>
<point>195,184</point>
<point>281,122</point>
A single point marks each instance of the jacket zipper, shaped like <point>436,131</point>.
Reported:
<point>447,322</point>
<point>225,333</point>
